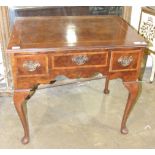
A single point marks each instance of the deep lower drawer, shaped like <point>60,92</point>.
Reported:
<point>125,60</point>
<point>80,60</point>
<point>31,65</point>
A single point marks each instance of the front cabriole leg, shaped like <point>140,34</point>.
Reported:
<point>133,88</point>
<point>19,98</point>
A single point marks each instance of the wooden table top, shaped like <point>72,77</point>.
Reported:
<point>72,32</point>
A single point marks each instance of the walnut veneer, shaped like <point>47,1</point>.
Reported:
<point>41,48</point>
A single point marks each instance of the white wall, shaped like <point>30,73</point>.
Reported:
<point>1,66</point>
<point>135,17</point>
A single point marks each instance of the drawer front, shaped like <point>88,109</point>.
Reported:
<point>125,61</point>
<point>80,60</point>
<point>31,65</point>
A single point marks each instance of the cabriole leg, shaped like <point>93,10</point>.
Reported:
<point>133,88</point>
<point>106,90</point>
<point>19,98</point>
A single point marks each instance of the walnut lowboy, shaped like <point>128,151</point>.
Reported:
<point>81,47</point>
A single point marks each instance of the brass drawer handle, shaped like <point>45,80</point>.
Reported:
<point>80,59</point>
<point>31,65</point>
<point>125,60</point>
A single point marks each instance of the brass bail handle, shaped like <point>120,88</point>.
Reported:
<point>125,60</point>
<point>31,65</point>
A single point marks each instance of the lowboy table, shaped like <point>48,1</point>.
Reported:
<point>41,48</point>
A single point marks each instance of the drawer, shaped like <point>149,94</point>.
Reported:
<point>80,60</point>
<point>31,65</point>
<point>125,60</point>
